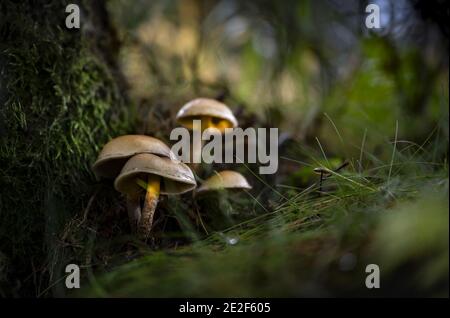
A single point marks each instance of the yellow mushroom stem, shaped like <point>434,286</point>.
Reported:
<point>150,203</point>
<point>222,124</point>
<point>134,211</point>
<point>207,123</point>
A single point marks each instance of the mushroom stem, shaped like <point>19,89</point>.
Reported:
<point>134,211</point>
<point>150,203</point>
<point>207,123</point>
<point>320,183</point>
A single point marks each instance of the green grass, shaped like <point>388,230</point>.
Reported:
<point>393,213</point>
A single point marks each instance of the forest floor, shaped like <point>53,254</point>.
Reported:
<point>304,242</point>
<point>64,94</point>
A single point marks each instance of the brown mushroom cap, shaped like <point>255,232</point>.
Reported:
<point>176,177</point>
<point>226,179</point>
<point>118,150</point>
<point>200,107</point>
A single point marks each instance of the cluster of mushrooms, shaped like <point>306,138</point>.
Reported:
<point>145,167</point>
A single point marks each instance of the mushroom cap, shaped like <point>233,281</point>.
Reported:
<point>200,107</point>
<point>323,171</point>
<point>118,150</point>
<point>226,179</point>
<point>176,177</point>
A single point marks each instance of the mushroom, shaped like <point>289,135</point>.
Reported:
<point>219,208</point>
<point>225,179</point>
<point>325,173</point>
<point>115,154</point>
<point>212,113</point>
<point>157,175</point>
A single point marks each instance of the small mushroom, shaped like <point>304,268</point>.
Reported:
<point>157,175</point>
<point>212,113</point>
<point>226,179</point>
<point>210,197</point>
<point>325,173</point>
<point>115,154</point>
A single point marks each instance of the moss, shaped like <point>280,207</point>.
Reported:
<point>60,101</point>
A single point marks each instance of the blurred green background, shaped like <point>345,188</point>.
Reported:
<point>336,90</point>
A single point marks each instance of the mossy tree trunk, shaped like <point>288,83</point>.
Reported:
<point>62,96</point>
